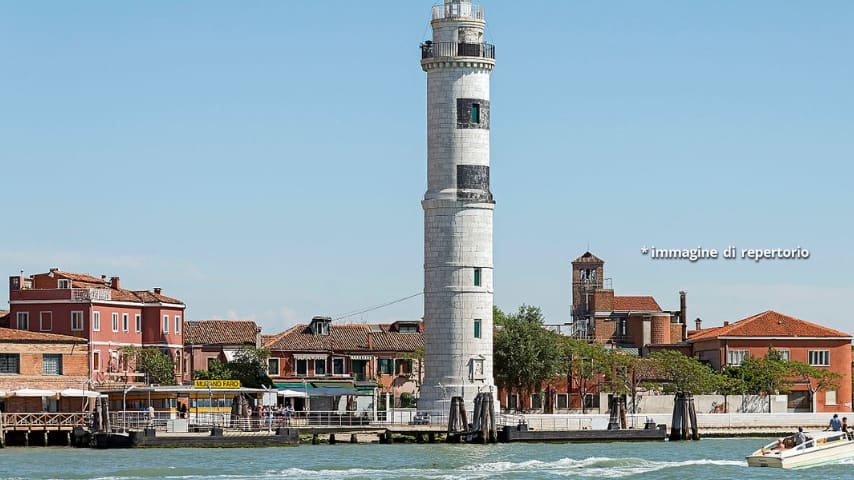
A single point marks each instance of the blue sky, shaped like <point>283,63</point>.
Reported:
<point>266,160</point>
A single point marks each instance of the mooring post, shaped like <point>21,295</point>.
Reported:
<point>676,419</point>
<point>314,439</point>
<point>354,438</point>
<point>695,429</point>
<point>332,439</point>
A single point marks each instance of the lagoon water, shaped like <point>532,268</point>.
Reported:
<point>708,458</point>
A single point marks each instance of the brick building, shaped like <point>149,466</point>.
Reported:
<point>624,321</point>
<point>353,357</point>
<point>98,310</point>
<point>209,340</point>
<point>37,365</point>
<point>796,339</point>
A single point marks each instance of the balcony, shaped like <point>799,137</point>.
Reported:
<point>458,10</point>
<point>90,294</point>
<point>453,49</point>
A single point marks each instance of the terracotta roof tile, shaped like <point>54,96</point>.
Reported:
<point>148,296</point>
<point>345,338</point>
<point>84,280</point>
<point>220,332</point>
<point>79,277</point>
<point>769,324</point>
<point>637,303</point>
<point>12,335</point>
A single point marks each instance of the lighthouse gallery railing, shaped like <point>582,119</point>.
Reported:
<point>455,49</point>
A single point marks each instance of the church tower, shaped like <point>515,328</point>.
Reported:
<point>458,209</point>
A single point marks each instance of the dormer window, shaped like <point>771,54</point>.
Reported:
<point>407,328</point>
<point>320,325</point>
<point>63,283</point>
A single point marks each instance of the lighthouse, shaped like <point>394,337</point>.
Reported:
<point>458,208</point>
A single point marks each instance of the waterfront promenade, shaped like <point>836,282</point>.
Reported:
<point>45,429</point>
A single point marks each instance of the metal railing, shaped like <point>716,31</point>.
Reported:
<point>456,10</point>
<point>87,294</point>
<point>137,420</point>
<point>455,49</point>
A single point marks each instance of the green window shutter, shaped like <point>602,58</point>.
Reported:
<point>476,328</point>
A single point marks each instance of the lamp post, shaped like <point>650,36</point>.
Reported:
<point>124,406</point>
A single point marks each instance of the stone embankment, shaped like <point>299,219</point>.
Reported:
<point>710,424</point>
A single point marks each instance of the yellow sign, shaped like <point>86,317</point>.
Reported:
<point>216,383</point>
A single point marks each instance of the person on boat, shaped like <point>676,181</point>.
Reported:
<point>800,437</point>
<point>835,423</point>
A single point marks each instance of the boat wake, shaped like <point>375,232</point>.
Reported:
<point>593,467</point>
<point>598,467</point>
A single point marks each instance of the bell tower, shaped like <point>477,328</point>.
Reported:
<point>458,208</point>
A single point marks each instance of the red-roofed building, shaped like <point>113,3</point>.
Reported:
<point>98,310</point>
<point>625,321</point>
<point>358,357</point>
<point>209,340</point>
<point>41,361</point>
<point>796,339</point>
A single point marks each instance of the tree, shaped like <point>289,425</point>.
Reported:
<point>158,367</point>
<point>498,317</point>
<point>418,356</point>
<point>682,373</point>
<point>731,383</point>
<point>525,353</point>
<point>217,370</point>
<point>583,363</point>
<point>817,379</point>
<point>249,366</point>
<point>769,374</point>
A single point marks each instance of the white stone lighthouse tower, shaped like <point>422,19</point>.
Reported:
<point>458,208</point>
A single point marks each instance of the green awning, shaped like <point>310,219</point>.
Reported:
<point>293,385</point>
<point>339,383</point>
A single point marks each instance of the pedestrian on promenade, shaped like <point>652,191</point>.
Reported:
<point>835,423</point>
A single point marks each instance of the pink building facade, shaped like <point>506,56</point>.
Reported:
<point>98,310</point>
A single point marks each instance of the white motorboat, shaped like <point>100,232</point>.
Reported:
<point>819,448</point>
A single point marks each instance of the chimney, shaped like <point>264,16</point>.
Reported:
<point>698,323</point>
<point>683,307</point>
<point>54,269</point>
<point>157,290</point>
<point>114,283</point>
<point>726,323</point>
<point>258,338</point>
<point>370,340</point>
